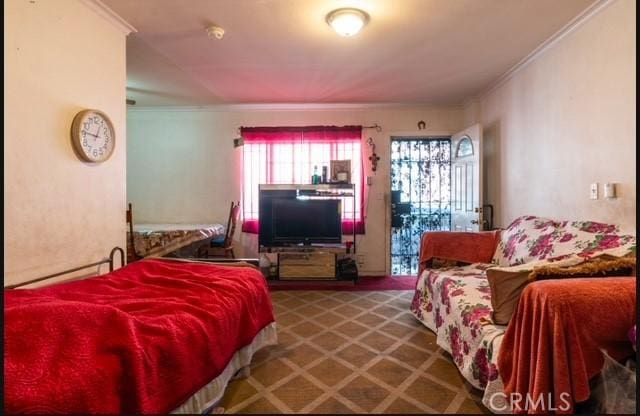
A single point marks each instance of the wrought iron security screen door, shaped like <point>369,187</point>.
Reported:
<point>420,196</point>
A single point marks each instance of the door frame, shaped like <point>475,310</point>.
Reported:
<point>410,135</point>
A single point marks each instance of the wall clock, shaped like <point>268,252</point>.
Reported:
<point>93,136</point>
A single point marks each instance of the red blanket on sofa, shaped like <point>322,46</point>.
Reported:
<point>552,346</point>
<point>142,339</point>
<point>468,247</point>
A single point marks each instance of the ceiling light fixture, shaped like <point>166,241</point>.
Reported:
<point>215,32</point>
<point>347,22</point>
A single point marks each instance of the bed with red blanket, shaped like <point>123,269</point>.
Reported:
<point>156,336</point>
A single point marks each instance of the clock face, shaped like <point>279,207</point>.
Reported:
<point>93,136</point>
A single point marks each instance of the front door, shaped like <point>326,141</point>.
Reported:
<point>466,180</point>
<point>420,196</point>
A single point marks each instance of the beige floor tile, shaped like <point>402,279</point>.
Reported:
<point>409,355</point>
<point>471,407</point>
<point>389,372</point>
<point>356,355</point>
<point>379,296</point>
<point>328,319</point>
<point>387,311</point>
<point>261,406</point>
<point>396,329</point>
<point>330,372</point>
<point>306,329</point>
<point>330,341</point>
<point>297,393</point>
<point>443,370</point>
<point>271,372</point>
<point>402,407</point>
<point>378,341</point>
<point>425,340</point>
<point>364,393</point>
<point>302,354</point>
<point>332,406</point>
<point>309,311</point>
<point>350,329</point>
<point>328,303</point>
<point>348,311</point>
<point>237,391</point>
<point>430,393</point>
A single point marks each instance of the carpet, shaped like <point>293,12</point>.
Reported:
<point>351,352</point>
<point>373,283</point>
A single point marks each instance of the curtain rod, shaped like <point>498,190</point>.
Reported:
<point>375,126</point>
<point>237,142</point>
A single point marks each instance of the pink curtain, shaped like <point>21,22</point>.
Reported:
<point>288,154</point>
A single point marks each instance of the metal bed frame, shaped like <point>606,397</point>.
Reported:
<point>111,260</point>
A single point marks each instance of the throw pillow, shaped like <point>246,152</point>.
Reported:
<point>507,283</point>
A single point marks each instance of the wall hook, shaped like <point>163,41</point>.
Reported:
<point>422,125</point>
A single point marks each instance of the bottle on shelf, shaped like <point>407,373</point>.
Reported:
<point>315,179</point>
<point>324,174</point>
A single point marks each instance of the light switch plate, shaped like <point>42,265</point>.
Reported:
<point>609,190</point>
<point>594,191</point>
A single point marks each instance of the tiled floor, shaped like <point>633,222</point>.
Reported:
<point>351,352</point>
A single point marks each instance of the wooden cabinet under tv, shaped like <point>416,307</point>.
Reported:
<point>311,265</point>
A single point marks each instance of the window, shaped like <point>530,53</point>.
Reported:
<point>465,147</point>
<point>287,155</point>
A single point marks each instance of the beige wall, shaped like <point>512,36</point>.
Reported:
<point>567,120</point>
<point>60,57</point>
<point>182,167</point>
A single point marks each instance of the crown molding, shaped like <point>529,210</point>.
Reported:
<point>471,101</point>
<point>570,27</point>
<point>289,107</point>
<point>112,17</point>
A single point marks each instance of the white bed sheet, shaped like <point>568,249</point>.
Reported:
<point>208,396</point>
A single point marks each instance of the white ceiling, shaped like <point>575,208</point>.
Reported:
<point>282,51</point>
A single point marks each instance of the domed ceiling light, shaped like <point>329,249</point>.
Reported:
<point>347,22</point>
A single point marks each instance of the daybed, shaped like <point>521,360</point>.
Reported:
<point>155,336</point>
<point>551,344</point>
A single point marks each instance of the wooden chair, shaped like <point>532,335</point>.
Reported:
<point>132,255</point>
<point>224,247</point>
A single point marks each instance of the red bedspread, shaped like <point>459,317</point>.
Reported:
<point>142,339</point>
<point>552,346</point>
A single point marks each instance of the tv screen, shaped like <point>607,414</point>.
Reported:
<point>307,221</point>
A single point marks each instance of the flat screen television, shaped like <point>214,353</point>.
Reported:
<point>304,221</point>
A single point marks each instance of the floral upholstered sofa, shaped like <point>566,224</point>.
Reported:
<point>455,301</point>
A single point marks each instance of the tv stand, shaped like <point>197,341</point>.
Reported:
<point>308,260</point>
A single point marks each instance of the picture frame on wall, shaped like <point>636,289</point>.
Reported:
<point>340,171</point>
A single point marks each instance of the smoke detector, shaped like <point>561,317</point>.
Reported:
<point>215,32</point>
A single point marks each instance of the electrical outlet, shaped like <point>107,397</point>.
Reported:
<point>360,259</point>
<point>594,191</point>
